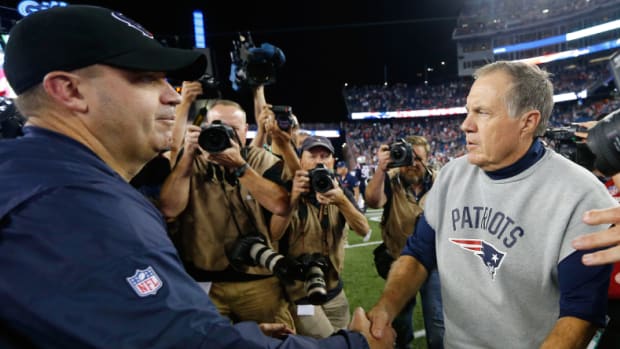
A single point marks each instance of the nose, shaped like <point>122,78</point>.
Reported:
<point>170,95</point>
<point>468,124</point>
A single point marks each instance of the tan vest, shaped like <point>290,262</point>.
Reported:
<point>307,236</point>
<point>403,215</point>
<point>207,228</point>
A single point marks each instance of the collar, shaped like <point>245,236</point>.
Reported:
<point>535,153</point>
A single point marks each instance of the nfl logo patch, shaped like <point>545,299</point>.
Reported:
<point>145,282</point>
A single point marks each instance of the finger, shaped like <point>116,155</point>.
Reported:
<point>599,239</point>
<point>604,216</point>
<point>610,255</point>
<point>358,320</point>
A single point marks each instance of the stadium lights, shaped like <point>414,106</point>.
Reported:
<point>200,40</point>
<point>597,29</point>
<point>572,53</point>
<point>324,133</point>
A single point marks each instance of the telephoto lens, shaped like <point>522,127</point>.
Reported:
<point>314,266</point>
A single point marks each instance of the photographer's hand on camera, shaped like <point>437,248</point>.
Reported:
<point>334,196</point>
<point>230,157</point>
<point>383,158</point>
<point>191,149</point>
<point>301,185</point>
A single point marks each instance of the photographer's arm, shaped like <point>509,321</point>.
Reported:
<point>260,104</point>
<point>174,193</point>
<point>189,91</point>
<point>283,146</point>
<point>278,224</point>
<point>375,189</point>
<point>356,219</point>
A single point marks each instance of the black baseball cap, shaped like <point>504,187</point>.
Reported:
<point>316,141</point>
<point>77,36</point>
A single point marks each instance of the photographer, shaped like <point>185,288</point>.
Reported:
<point>317,227</point>
<point>400,187</point>
<point>274,135</point>
<point>213,197</point>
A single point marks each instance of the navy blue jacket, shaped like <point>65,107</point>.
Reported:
<point>85,261</point>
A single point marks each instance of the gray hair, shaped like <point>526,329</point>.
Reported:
<point>531,89</point>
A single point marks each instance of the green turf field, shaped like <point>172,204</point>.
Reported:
<point>362,283</point>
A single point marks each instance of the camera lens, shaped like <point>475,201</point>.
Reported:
<point>322,183</point>
<point>315,286</point>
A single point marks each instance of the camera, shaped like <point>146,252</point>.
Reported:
<point>604,143</point>
<point>314,267</point>
<point>565,143</point>
<point>253,65</point>
<point>210,87</point>
<point>252,250</point>
<point>321,179</point>
<point>401,154</point>
<point>216,137</point>
<point>283,116</point>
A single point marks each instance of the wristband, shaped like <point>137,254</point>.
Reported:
<point>240,171</point>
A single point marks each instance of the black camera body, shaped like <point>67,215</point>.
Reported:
<point>401,154</point>
<point>216,137</point>
<point>568,145</point>
<point>283,116</point>
<point>321,179</point>
<point>604,142</point>
<point>210,87</point>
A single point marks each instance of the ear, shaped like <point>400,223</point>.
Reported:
<point>530,121</point>
<point>63,87</point>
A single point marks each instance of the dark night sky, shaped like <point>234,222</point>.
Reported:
<point>326,43</point>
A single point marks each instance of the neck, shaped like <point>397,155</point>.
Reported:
<point>80,133</point>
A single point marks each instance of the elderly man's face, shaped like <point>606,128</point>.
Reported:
<point>494,139</point>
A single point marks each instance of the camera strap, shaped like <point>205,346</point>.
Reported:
<point>232,209</point>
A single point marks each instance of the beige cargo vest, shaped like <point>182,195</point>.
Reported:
<point>207,229</point>
<point>403,215</point>
<point>307,236</point>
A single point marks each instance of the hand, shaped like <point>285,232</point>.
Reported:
<point>191,149</point>
<point>333,196</point>
<point>275,330</point>
<point>301,185</point>
<point>190,90</point>
<point>230,157</point>
<point>607,238</point>
<point>380,319</point>
<point>361,323</point>
<point>263,117</point>
<point>383,157</point>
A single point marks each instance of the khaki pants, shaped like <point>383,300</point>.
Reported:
<point>327,319</point>
<point>261,301</point>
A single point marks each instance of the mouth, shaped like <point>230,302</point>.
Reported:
<point>166,119</point>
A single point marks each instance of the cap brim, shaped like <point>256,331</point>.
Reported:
<point>316,145</point>
<point>176,63</point>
